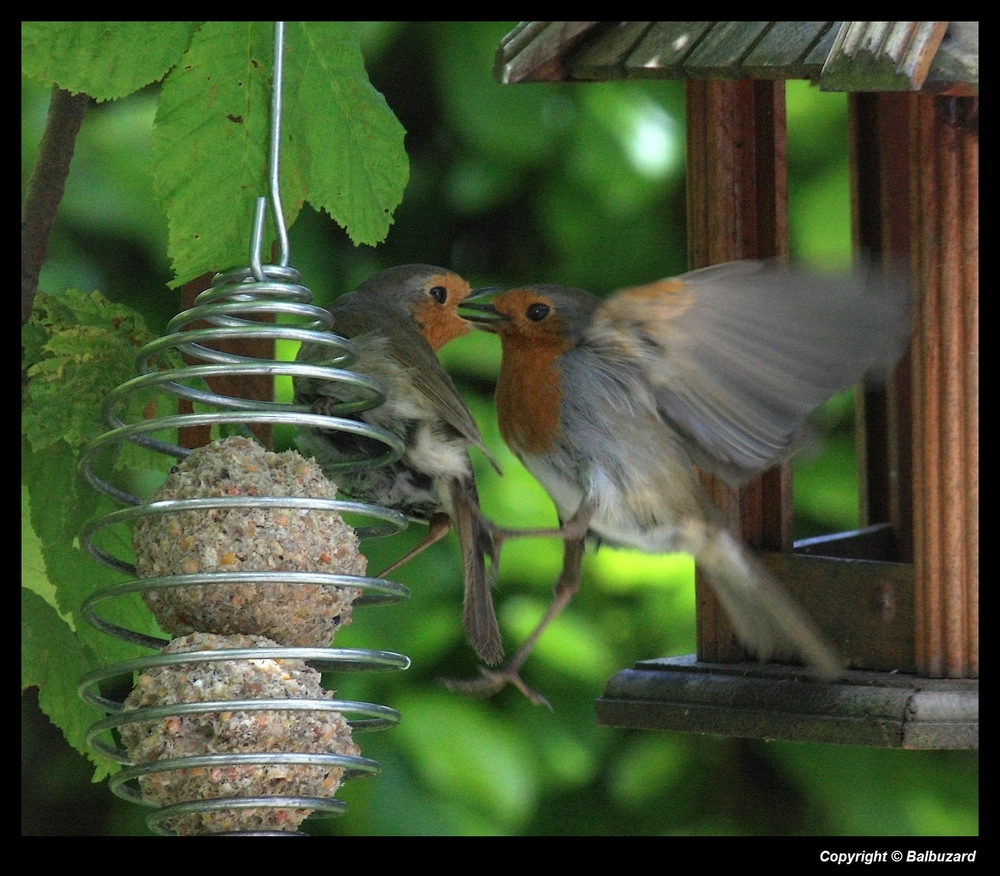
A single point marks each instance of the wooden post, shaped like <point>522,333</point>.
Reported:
<point>881,219</point>
<point>738,208</point>
<point>945,155</point>
<point>258,387</point>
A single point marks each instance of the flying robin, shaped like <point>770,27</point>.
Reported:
<point>612,403</point>
<point>399,319</point>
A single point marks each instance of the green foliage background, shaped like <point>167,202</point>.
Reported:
<point>579,184</point>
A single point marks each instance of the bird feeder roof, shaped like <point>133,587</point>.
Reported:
<point>933,56</point>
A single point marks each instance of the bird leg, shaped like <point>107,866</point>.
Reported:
<point>437,528</point>
<point>493,680</point>
<point>440,524</point>
<point>574,528</point>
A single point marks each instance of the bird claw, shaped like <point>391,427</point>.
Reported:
<point>491,682</point>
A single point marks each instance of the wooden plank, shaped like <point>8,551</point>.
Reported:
<point>821,51</point>
<point>945,150</point>
<point>604,58</point>
<point>522,32</point>
<point>955,69</point>
<point>783,702</point>
<point>870,56</point>
<point>256,387</point>
<point>882,55</point>
<point>738,208</point>
<point>846,56</point>
<point>535,50</point>
<point>720,53</point>
<point>880,218</point>
<point>782,51</point>
<point>864,607</point>
<point>665,47</point>
<point>939,716</point>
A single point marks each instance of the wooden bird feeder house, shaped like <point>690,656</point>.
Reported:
<point>900,595</point>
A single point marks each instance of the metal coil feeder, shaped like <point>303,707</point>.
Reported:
<point>240,304</point>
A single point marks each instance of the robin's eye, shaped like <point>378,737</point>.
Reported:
<point>439,294</point>
<point>537,312</point>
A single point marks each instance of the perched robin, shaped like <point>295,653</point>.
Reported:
<point>399,319</point>
<point>612,403</point>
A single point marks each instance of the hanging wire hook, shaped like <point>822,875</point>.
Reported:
<point>276,91</point>
<point>274,169</point>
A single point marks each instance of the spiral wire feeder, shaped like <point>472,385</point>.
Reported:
<point>240,304</point>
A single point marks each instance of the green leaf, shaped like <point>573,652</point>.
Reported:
<point>342,147</point>
<point>56,491</point>
<point>61,503</point>
<point>210,146</point>
<point>342,132</point>
<point>105,59</point>
<point>53,660</point>
<point>33,573</point>
<point>77,349</point>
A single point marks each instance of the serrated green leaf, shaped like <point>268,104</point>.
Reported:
<point>33,573</point>
<point>77,349</point>
<point>344,134</point>
<point>210,147</point>
<point>342,147</point>
<point>61,503</point>
<point>77,576</point>
<point>53,660</point>
<point>104,59</point>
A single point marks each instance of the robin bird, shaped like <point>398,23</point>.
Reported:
<point>398,320</point>
<point>611,404</point>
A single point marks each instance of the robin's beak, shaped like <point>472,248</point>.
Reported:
<point>483,315</point>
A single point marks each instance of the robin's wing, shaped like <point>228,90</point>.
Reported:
<point>350,321</point>
<point>738,355</point>
<point>439,389</point>
<point>403,343</point>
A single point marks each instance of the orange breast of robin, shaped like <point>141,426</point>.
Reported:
<point>528,396</point>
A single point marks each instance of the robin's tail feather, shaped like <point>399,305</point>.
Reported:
<point>766,618</point>
<point>476,540</point>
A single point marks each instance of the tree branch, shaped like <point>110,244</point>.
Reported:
<point>46,187</point>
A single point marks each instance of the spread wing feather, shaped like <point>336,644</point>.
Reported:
<point>740,354</point>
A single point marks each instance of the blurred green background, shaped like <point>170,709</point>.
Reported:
<point>581,184</point>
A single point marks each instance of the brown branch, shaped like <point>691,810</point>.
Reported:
<point>45,189</point>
